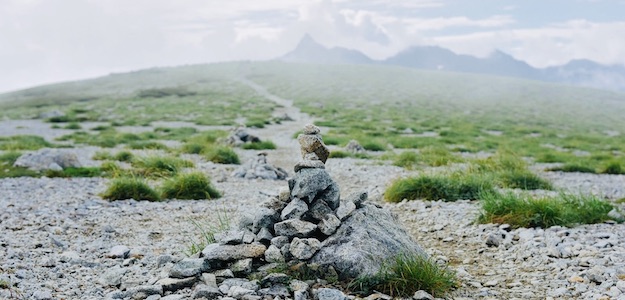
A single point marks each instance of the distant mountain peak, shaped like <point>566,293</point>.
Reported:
<point>310,51</point>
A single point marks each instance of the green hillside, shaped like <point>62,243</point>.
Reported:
<point>383,107</point>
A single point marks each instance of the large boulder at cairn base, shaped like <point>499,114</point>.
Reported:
<point>366,239</point>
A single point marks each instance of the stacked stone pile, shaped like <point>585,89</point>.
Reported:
<point>307,229</point>
<point>258,167</point>
<point>239,136</point>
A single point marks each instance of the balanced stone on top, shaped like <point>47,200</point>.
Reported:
<point>311,142</point>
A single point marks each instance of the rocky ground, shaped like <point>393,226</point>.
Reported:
<point>58,237</point>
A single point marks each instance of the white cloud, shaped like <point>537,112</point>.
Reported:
<point>45,41</point>
<point>552,45</point>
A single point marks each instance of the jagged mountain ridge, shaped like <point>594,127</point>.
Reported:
<point>577,72</point>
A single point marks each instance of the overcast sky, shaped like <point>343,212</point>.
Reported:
<point>45,41</point>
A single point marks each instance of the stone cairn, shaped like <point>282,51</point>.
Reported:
<point>239,136</point>
<point>258,167</point>
<point>306,229</point>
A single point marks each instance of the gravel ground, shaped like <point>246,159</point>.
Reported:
<point>56,234</point>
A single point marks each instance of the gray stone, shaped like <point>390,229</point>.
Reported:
<point>300,295</point>
<point>330,294</point>
<point>280,241</point>
<point>493,240</point>
<point>173,297</point>
<point>312,143</point>
<point>217,252</point>
<point>309,183</point>
<point>205,291</point>
<point>248,237</point>
<point>209,279</point>
<point>329,224</point>
<point>119,251</point>
<point>112,276</point>
<point>257,167</point>
<point>174,284</point>
<point>242,267</point>
<point>264,218</point>
<point>354,147</point>
<point>345,210</point>
<point>143,291</point>
<point>318,210</point>
<point>331,196</point>
<point>308,164</point>
<point>70,257</point>
<point>364,241</point>
<point>230,237</point>
<point>42,295</point>
<point>311,129</point>
<point>274,255</point>
<point>274,278</point>
<point>295,228</point>
<point>621,286</point>
<point>422,295</point>
<point>224,273</point>
<point>298,285</point>
<point>357,198</point>
<point>304,248</point>
<point>264,236</point>
<point>46,159</point>
<point>277,290</point>
<point>189,267</point>
<point>163,260</point>
<point>241,282</point>
<point>51,114</point>
<point>238,292</point>
<point>294,210</point>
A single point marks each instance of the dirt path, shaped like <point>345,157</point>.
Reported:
<point>287,152</point>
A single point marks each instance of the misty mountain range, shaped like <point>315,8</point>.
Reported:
<point>577,72</point>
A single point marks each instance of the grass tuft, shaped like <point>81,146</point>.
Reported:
<point>269,145</point>
<point>23,142</point>
<point>207,231</point>
<point>438,187</point>
<point>613,167</point>
<point>572,168</point>
<point>157,166</point>
<point>75,172</point>
<point>406,274</point>
<point>525,211</point>
<point>123,188</point>
<point>189,186</point>
<point>222,155</point>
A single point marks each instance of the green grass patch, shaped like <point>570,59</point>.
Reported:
<point>123,188</point>
<point>102,155</point>
<point>152,145</point>
<point>124,156</point>
<point>222,155</point>
<point>613,167</point>
<point>573,168</point>
<point>23,142</point>
<point>374,146</point>
<point>525,180</point>
<point>7,170</point>
<point>189,186</point>
<point>75,172</point>
<point>269,145</point>
<point>455,186</point>
<point>406,274</point>
<point>526,211</point>
<point>73,126</point>
<point>159,166</point>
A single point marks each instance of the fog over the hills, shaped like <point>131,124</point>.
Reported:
<point>44,41</point>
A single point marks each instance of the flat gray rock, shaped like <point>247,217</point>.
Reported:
<point>295,227</point>
<point>224,253</point>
